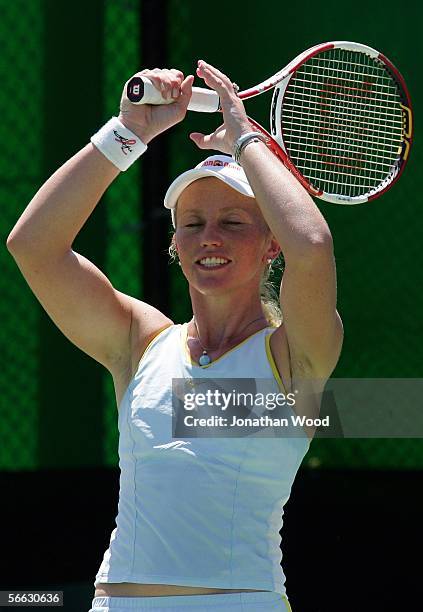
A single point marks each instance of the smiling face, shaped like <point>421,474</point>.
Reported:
<point>222,239</point>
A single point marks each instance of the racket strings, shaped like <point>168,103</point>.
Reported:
<point>342,122</point>
<point>384,86</point>
<point>346,114</point>
<point>374,107</point>
<point>340,128</point>
<point>330,61</point>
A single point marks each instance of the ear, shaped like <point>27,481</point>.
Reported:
<point>273,250</point>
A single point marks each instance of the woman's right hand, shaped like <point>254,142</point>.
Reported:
<point>149,120</point>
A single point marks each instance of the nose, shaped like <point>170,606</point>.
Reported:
<point>210,236</point>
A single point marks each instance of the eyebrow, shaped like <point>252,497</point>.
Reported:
<point>224,209</point>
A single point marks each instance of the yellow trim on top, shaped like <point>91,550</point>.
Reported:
<point>278,378</point>
<point>288,605</point>
<point>273,365</point>
<point>156,335</point>
<point>184,338</point>
<point>147,348</point>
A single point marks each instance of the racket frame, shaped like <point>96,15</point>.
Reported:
<point>281,80</point>
<point>140,90</point>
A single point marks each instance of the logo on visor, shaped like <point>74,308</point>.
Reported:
<point>219,162</point>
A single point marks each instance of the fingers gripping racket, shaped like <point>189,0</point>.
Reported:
<point>340,119</point>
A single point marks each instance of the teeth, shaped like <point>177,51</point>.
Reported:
<point>213,261</point>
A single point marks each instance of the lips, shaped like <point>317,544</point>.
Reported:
<point>213,262</point>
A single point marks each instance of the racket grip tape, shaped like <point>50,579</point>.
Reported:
<point>140,90</point>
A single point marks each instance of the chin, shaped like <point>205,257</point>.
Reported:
<point>215,286</point>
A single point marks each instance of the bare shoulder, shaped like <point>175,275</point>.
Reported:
<point>285,354</point>
<point>281,356</point>
<point>146,322</point>
<point>295,363</point>
<point>299,362</point>
<point>298,376</point>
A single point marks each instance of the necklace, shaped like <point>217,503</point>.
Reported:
<point>205,359</point>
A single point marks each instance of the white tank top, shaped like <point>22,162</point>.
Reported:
<point>202,512</point>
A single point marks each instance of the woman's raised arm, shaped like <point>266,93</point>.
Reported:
<point>312,325</point>
<point>74,292</point>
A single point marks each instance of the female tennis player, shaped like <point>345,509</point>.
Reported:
<point>199,517</point>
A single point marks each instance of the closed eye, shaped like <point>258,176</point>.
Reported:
<point>225,222</point>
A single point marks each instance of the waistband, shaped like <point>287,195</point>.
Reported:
<point>184,601</point>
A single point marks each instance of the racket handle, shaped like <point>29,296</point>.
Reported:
<point>141,90</point>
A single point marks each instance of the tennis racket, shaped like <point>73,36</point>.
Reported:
<point>340,119</point>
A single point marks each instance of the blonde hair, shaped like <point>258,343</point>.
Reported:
<point>269,297</point>
<point>268,293</point>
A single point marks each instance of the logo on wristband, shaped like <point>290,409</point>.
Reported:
<point>124,142</point>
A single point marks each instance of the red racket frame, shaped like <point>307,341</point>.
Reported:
<point>277,149</point>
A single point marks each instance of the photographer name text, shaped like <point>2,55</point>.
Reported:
<point>262,421</point>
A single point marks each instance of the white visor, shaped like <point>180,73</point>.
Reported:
<point>222,167</point>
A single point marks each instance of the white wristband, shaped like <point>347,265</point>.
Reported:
<point>121,146</point>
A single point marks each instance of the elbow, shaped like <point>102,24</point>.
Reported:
<point>311,248</point>
<point>316,241</point>
<point>321,240</point>
<point>18,245</point>
<point>319,248</point>
<point>26,249</point>
<point>14,241</point>
<point>11,242</point>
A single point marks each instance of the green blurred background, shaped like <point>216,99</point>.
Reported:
<point>57,406</point>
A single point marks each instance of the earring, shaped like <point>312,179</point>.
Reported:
<point>269,261</point>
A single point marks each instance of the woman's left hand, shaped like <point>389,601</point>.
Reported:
<point>235,120</point>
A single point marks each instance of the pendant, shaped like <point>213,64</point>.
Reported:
<point>204,359</point>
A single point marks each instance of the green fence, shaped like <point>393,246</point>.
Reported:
<point>21,44</point>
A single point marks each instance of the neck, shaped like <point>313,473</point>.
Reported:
<point>221,318</point>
